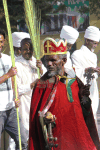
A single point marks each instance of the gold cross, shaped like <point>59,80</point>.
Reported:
<point>48,47</point>
<point>61,48</point>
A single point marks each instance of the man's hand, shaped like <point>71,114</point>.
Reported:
<point>84,91</point>
<point>49,117</point>
<point>17,102</point>
<point>39,65</point>
<point>97,69</point>
<point>33,84</point>
<point>12,71</point>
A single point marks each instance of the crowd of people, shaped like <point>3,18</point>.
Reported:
<point>63,103</point>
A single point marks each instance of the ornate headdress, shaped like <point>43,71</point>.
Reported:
<point>52,47</point>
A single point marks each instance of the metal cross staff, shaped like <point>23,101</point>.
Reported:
<point>88,75</point>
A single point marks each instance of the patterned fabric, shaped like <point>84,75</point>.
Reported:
<point>50,99</point>
<point>5,86</point>
<point>6,92</point>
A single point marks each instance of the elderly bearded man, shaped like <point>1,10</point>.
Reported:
<point>52,98</point>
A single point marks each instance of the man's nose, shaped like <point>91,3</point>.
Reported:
<point>1,44</point>
<point>50,63</point>
<point>28,50</point>
<point>95,45</point>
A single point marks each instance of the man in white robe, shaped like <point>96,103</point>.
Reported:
<point>71,35</point>
<point>26,75</point>
<point>83,59</point>
<point>17,37</point>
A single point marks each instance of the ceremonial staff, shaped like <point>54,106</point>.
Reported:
<point>13,62</point>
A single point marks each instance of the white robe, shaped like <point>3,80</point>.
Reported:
<point>81,59</point>
<point>27,73</point>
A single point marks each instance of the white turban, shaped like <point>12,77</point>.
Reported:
<point>18,36</point>
<point>92,33</point>
<point>69,33</point>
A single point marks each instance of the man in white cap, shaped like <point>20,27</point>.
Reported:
<point>84,59</point>
<point>17,37</point>
<point>27,74</point>
<point>71,35</point>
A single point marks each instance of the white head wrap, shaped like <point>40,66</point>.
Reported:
<point>18,36</point>
<point>92,33</point>
<point>69,33</point>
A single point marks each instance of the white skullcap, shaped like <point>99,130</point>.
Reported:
<point>69,33</point>
<point>18,36</point>
<point>92,33</point>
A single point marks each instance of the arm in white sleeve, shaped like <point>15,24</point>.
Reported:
<point>79,69</point>
<point>22,88</point>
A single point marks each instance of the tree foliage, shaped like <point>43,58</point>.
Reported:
<point>94,8</point>
<point>16,11</point>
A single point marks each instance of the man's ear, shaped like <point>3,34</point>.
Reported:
<point>64,60</point>
<point>86,41</point>
<point>4,41</point>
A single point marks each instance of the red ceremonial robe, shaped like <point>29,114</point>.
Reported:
<point>71,129</point>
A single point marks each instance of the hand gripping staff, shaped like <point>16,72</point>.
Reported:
<point>13,62</point>
<point>47,127</point>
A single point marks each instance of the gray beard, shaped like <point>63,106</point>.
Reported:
<point>51,74</point>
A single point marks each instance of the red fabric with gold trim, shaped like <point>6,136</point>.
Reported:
<point>53,47</point>
<point>70,129</point>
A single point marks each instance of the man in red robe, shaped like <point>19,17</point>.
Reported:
<point>58,94</point>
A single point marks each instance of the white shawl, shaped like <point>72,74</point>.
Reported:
<point>82,59</point>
